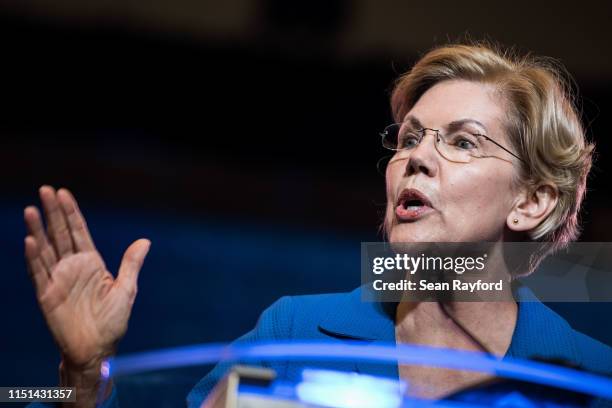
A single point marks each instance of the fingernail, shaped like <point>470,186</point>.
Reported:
<point>147,248</point>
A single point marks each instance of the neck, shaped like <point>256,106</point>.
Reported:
<point>479,326</point>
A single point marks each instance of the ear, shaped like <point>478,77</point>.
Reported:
<point>532,207</point>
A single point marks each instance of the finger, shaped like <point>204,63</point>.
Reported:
<point>35,228</point>
<point>76,222</point>
<point>131,264</point>
<point>57,225</point>
<point>38,272</point>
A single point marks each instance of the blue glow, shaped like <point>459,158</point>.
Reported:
<point>525,370</point>
<point>337,389</point>
<point>105,370</point>
<point>516,399</point>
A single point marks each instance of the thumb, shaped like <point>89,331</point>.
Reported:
<point>131,263</point>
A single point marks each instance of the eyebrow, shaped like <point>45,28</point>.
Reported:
<point>451,127</point>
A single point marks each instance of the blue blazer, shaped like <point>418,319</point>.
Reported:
<point>539,332</point>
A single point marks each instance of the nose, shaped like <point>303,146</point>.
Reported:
<point>424,158</point>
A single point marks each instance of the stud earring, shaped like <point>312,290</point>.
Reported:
<point>515,221</point>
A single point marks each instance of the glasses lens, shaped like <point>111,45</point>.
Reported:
<point>389,137</point>
<point>396,137</point>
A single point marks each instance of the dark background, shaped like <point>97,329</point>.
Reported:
<point>242,139</point>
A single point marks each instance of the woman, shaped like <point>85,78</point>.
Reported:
<point>487,148</point>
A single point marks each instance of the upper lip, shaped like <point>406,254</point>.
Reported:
<point>410,194</point>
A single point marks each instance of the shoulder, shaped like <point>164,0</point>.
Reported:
<point>292,315</point>
<point>595,356</point>
<point>287,318</point>
<point>542,333</point>
<point>310,302</point>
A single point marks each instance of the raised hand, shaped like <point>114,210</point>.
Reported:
<point>85,307</point>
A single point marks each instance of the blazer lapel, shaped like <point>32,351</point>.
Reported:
<point>349,318</point>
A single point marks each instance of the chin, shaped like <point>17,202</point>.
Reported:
<point>411,232</point>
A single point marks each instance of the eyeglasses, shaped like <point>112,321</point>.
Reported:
<point>459,146</point>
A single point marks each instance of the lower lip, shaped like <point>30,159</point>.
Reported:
<point>412,215</point>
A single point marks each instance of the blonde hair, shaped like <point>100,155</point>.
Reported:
<point>543,124</point>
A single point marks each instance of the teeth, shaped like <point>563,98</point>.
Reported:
<point>413,207</point>
<point>412,204</point>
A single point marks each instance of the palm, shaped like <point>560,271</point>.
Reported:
<point>86,309</point>
<point>87,320</point>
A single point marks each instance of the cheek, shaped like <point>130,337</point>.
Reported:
<point>478,193</point>
<point>392,175</point>
<point>388,181</point>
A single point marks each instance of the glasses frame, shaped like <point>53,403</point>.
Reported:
<point>422,134</point>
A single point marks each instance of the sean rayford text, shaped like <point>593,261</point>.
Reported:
<point>413,264</point>
<point>424,285</point>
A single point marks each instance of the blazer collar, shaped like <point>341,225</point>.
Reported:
<point>539,332</point>
<point>351,318</point>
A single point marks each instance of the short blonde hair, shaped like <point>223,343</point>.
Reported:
<point>543,125</point>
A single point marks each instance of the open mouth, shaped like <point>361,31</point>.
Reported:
<point>411,205</point>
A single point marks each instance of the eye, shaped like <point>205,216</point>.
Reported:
<point>465,144</point>
<point>408,140</point>
<point>464,141</point>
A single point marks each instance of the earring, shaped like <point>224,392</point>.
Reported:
<point>515,221</point>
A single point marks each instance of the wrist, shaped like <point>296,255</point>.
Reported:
<point>87,380</point>
<point>81,376</point>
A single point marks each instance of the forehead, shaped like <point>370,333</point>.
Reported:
<point>450,101</point>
